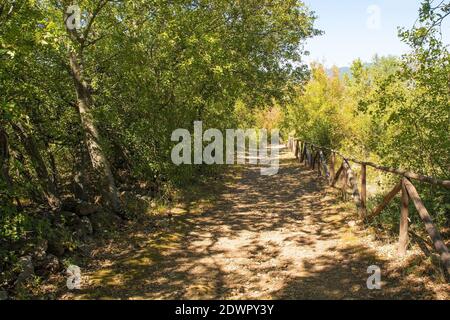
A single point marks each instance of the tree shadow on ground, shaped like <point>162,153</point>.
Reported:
<point>342,274</point>
<point>265,237</point>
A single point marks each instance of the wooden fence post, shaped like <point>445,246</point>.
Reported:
<point>309,157</point>
<point>433,232</point>
<point>324,166</point>
<point>364,188</point>
<point>314,157</point>
<point>336,177</point>
<point>302,156</point>
<point>306,154</point>
<point>403,237</point>
<point>319,162</point>
<point>294,148</point>
<point>355,192</point>
<point>311,153</point>
<point>332,166</point>
<point>299,151</point>
<point>344,181</point>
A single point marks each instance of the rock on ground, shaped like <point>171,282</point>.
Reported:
<point>27,270</point>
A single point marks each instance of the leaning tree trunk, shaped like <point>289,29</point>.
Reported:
<point>92,137</point>
<point>4,163</point>
<point>80,180</point>
<point>4,158</point>
<point>45,180</point>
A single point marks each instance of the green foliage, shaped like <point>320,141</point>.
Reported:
<point>162,66</point>
<point>12,224</point>
<point>148,67</point>
<point>393,111</point>
<point>319,113</point>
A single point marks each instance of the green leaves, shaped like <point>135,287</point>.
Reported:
<point>151,67</point>
<point>398,110</point>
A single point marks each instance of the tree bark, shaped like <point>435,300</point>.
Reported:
<point>4,155</point>
<point>49,188</point>
<point>80,179</point>
<point>4,163</point>
<point>18,156</point>
<point>92,138</point>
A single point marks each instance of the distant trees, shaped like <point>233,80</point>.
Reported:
<point>394,111</point>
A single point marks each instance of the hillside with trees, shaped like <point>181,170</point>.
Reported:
<point>87,112</point>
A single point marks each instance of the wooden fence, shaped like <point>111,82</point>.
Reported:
<point>314,157</point>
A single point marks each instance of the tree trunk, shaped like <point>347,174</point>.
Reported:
<point>54,169</point>
<point>45,180</point>
<point>4,156</point>
<point>92,138</point>
<point>19,157</point>
<point>4,163</point>
<point>80,181</point>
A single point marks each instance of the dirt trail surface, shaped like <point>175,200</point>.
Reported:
<point>285,236</point>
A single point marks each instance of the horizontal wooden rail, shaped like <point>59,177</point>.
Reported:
<point>388,198</point>
<point>407,174</point>
<point>312,154</point>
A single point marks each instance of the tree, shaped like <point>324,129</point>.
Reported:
<point>80,41</point>
<point>115,86</point>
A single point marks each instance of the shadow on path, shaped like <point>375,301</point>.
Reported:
<point>265,237</point>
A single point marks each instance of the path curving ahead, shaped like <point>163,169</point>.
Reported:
<point>264,237</point>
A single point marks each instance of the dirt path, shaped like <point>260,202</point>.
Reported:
<point>265,237</point>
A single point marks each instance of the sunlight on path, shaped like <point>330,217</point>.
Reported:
<point>266,237</point>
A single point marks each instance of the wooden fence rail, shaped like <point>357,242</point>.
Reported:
<point>314,156</point>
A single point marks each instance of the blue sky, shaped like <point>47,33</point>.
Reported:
<point>359,29</point>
